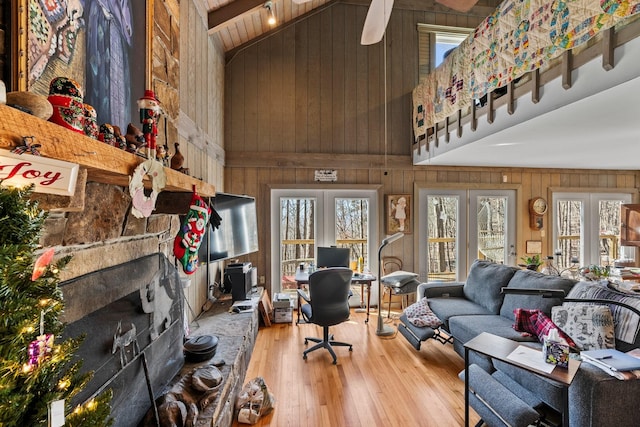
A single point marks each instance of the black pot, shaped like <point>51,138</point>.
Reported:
<point>201,348</point>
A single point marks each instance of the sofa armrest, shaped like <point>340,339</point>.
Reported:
<point>440,289</point>
<point>598,399</point>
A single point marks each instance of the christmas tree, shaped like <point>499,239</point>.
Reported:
<point>37,367</point>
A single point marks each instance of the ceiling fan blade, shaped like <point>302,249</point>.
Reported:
<point>458,5</point>
<point>376,21</point>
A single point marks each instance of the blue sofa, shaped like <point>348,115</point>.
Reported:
<point>467,309</point>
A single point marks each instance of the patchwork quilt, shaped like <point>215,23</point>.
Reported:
<point>520,36</point>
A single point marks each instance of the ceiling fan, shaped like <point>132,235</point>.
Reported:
<point>379,12</point>
<point>375,24</point>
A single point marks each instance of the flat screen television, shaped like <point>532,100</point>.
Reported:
<point>332,257</point>
<point>238,231</point>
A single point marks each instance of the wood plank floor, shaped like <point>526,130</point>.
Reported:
<point>384,381</point>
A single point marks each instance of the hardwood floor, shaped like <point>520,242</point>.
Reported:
<point>384,381</point>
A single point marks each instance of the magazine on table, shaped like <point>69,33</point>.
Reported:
<point>615,363</point>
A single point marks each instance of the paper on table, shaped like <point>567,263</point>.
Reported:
<point>530,357</point>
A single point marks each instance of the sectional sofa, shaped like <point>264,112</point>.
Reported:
<point>478,305</point>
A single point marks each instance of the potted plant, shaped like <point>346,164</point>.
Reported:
<point>531,262</point>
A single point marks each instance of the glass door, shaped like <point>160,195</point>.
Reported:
<point>302,220</point>
<point>492,236</point>
<point>460,226</point>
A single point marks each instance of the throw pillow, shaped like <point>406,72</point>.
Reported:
<point>590,326</point>
<point>536,323</point>
<point>420,315</point>
<point>398,278</point>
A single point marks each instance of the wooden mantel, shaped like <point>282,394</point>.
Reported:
<point>104,163</point>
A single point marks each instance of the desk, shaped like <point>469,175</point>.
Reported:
<point>363,279</point>
<point>499,348</point>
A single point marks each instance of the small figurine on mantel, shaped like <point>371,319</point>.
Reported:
<point>135,139</point>
<point>162,154</point>
<point>149,113</point>
<point>178,160</point>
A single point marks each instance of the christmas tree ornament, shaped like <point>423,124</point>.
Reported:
<point>142,205</point>
<point>41,264</point>
<point>40,348</point>
<point>189,238</point>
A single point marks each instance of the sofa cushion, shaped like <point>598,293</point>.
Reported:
<point>465,328</point>
<point>484,282</point>
<point>527,279</point>
<point>446,307</point>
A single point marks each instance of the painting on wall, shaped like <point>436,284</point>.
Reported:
<point>398,213</point>
<point>101,44</point>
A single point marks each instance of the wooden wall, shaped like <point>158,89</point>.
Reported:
<point>310,97</point>
<point>200,63</point>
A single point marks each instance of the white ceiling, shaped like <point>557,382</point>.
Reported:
<point>586,127</point>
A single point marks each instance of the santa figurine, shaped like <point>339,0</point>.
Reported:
<point>149,113</point>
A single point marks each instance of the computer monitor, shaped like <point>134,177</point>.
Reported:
<point>333,257</point>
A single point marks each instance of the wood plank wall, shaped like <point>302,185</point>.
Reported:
<point>310,97</point>
<point>200,127</point>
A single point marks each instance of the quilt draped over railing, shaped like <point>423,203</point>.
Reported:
<point>520,36</point>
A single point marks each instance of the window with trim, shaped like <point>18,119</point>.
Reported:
<point>434,41</point>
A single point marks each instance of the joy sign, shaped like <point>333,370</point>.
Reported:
<point>49,176</point>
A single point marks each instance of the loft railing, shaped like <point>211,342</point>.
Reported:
<point>440,112</point>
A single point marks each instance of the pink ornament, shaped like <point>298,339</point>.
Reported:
<point>39,349</point>
<point>41,264</point>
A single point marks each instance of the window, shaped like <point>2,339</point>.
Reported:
<point>586,228</point>
<point>434,41</point>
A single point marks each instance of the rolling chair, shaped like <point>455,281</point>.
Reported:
<point>326,305</point>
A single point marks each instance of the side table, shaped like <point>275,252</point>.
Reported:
<point>500,348</point>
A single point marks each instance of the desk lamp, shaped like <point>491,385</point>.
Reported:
<point>384,330</point>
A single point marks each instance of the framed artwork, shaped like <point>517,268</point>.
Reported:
<point>398,213</point>
<point>534,246</point>
<point>101,44</point>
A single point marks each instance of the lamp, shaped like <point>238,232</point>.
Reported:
<point>382,329</point>
<point>272,17</point>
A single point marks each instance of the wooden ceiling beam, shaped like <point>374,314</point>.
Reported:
<point>231,10</point>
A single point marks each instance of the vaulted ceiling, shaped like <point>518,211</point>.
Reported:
<point>236,22</point>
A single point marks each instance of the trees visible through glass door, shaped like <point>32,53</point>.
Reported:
<point>309,222</point>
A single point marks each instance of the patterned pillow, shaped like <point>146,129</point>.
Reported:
<point>590,326</point>
<point>420,315</point>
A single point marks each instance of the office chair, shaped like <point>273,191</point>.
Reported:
<point>327,305</point>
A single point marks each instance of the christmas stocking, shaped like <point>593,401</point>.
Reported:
<point>189,238</point>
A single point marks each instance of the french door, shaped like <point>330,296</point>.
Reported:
<point>457,227</point>
<point>586,228</point>
<point>303,219</point>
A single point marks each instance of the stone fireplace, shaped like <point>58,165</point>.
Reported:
<point>130,314</point>
<point>134,312</point>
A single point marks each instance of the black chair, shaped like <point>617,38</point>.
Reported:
<point>327,305</point>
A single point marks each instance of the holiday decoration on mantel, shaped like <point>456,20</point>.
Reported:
<point>189,238</point>
<point>37,366</point>
<point>149,114</point>
<point>142,205</point>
